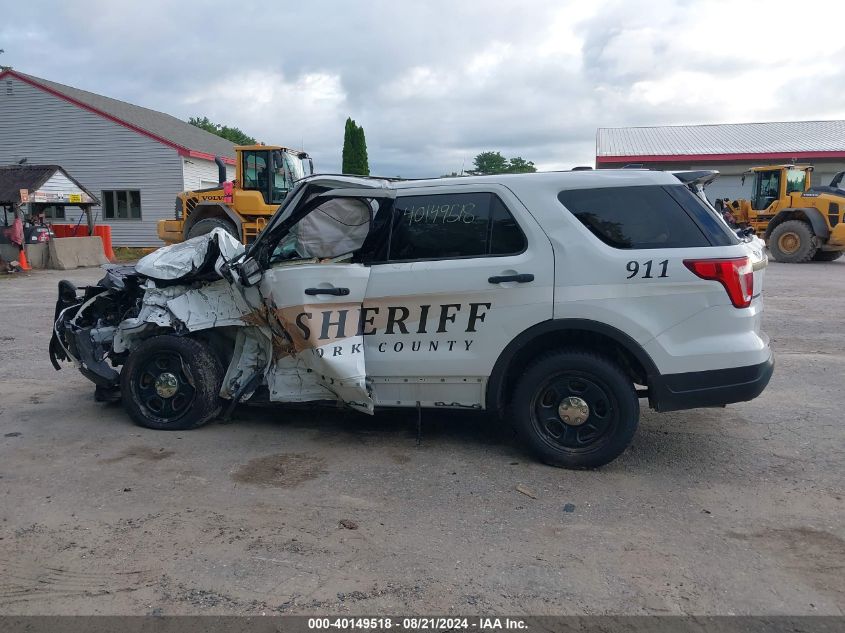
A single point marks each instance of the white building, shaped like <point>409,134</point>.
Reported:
<point>135,160</point>
<point>729,148</point>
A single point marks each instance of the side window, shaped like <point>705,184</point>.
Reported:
<point>636,217</point>
<point>334,230</point>
<point>506,238</point>
<point>795,180</point>
<point>446,226</point>
<point>256,174</point>
<point>768,189</point>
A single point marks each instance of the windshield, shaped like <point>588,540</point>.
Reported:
<point>297,167</point>
<point>288,169</point>
<point>795,180</point>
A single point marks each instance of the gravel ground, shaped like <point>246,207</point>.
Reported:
<point>714,511</point>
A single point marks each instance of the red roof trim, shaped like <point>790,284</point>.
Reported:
<point>673,158</point>
<point>183,151</point>
<point>195,154</point>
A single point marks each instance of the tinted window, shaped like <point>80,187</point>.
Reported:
<point>453,225</point>
<point>708,219</point>
<point>506,237</point>
<point>635,217</point>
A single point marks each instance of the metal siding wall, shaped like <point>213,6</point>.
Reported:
<point>59,183</point>
<point>728,187</point>
<point>823,174</point>
<point>97,152</point>
<point>195,170</point>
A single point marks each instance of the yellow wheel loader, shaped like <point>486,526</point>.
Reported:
<point>799,223</point>
<point>263,176</point>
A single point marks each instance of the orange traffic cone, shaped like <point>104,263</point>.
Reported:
<point>22,261</point>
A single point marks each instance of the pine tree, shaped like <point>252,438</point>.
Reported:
<point>363,161</point>
<point>348,158</point>
<point>354,158</point>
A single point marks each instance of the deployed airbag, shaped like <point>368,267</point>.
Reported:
<point>195,256</point>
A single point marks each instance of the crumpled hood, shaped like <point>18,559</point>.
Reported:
<point>198,255</point>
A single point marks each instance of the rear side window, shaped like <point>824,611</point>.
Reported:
<point>446,226</point>
<point>646,217</point>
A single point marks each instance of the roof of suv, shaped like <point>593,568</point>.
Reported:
<point>581,179</point>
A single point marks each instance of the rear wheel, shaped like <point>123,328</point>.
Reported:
<point>171,383</point>
<point>575,409</point>
<point>827,256</point>
<point>209,224</point>
<point>793,242</point>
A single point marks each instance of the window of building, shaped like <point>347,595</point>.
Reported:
<point>54,212</point>
<point>445,226</point>
<point>637,217</point>
<point>121,204</point>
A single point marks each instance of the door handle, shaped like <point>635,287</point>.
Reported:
<point>523,278</point>
<point>338,292</point>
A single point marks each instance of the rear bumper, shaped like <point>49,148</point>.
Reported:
<point>715,388</point>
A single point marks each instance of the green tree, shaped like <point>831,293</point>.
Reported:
<point>361,148</point>
<point>354,158</point>
<point>347,160</point>
<point>233,134</point>
<point>519,165</point>
<point>489,163</point>
<point>494,163</point>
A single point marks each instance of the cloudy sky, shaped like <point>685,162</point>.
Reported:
<point>434,83</point>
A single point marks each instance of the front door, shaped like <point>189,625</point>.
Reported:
<point>318,306</point>
<point>313,289</point>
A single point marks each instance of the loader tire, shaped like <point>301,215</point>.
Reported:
<point>827,256</point>
<point>172,383</point>
<point>793,242</point>
<point>208,225</point>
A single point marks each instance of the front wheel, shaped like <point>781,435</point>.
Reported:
<point>793,242</point>
<point>575,409</point>
<point>171,383</point>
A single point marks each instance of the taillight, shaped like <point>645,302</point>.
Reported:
<point>735,274</point>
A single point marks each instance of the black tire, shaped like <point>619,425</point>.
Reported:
<point>164,364</point>
<point>827,256</point>
<point>207,225</point>
<point>793,242</point>
<point>614,410</point>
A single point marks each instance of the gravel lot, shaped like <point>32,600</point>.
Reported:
<point>714,511</point>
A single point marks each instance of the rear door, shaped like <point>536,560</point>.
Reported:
<point>466,269</point>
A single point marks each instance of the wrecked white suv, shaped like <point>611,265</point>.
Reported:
<point>558,300</point>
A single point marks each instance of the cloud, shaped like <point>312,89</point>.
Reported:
<point>435,83</point>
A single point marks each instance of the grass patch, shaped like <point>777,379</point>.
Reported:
<point>130,254</point>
